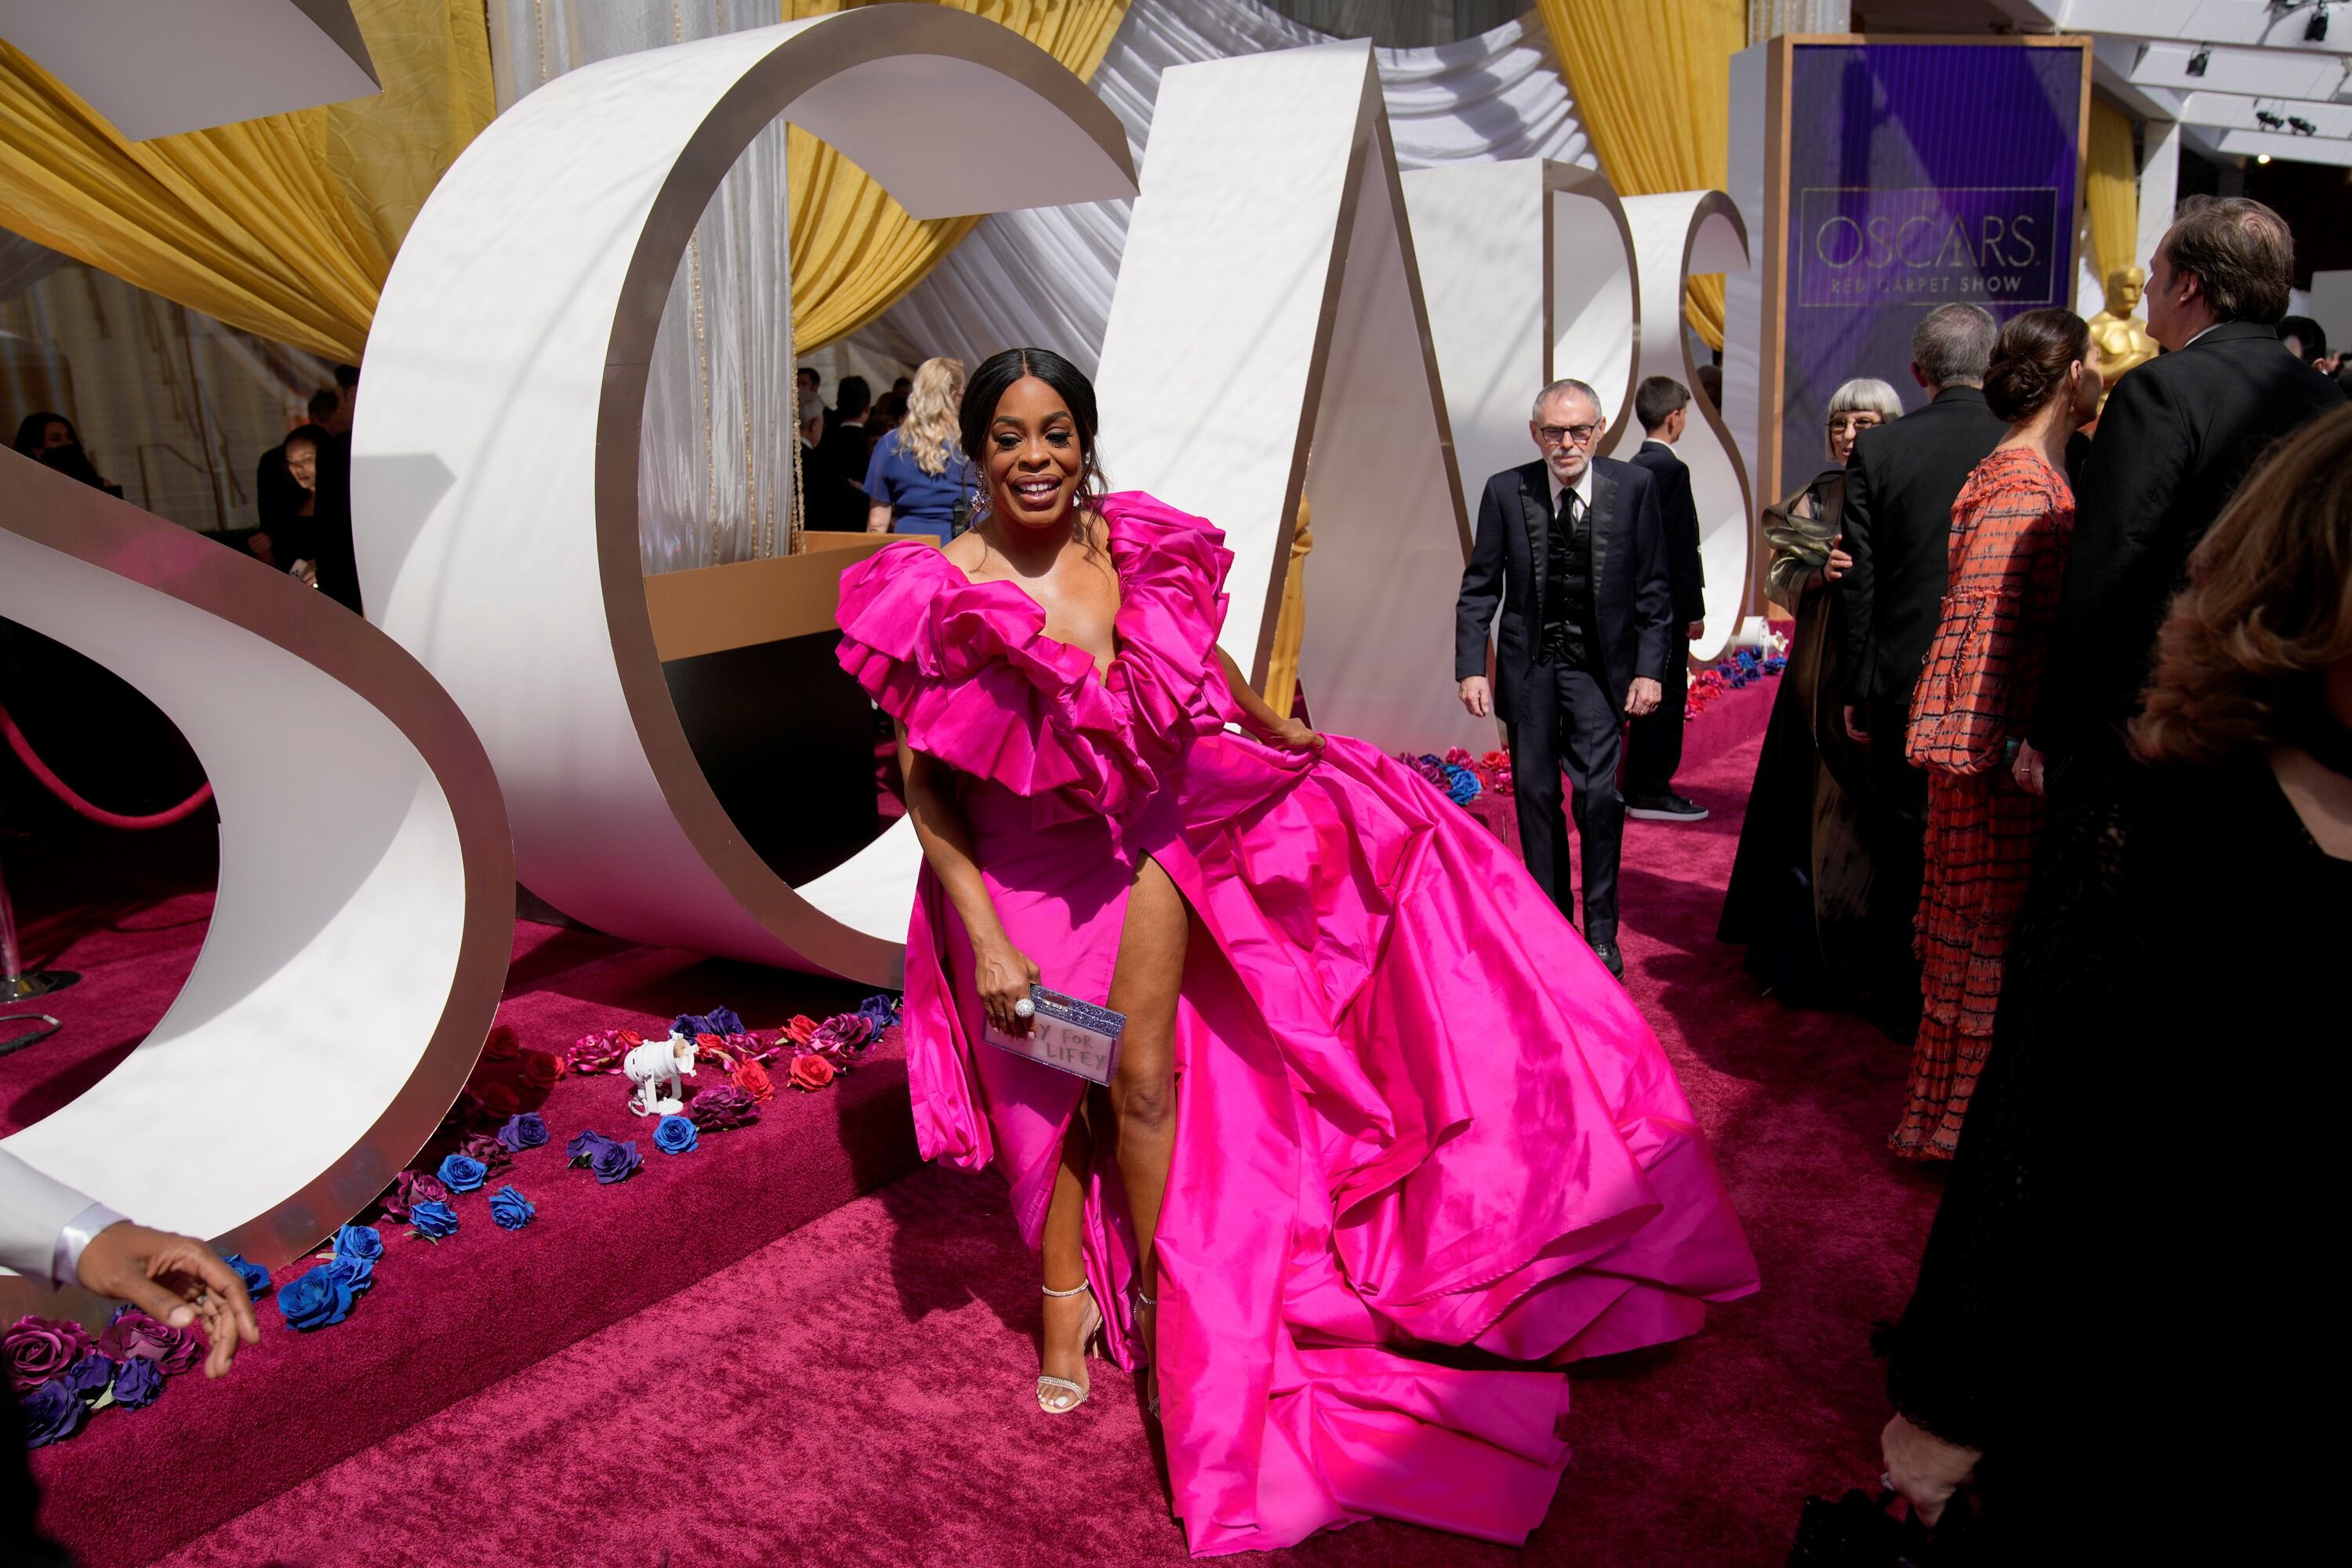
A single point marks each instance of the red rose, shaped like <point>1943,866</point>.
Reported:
<point>499,1099</point>
<point>541,1068</point>
<point>801,1029</point>
<point>630,1037</point>
<point>502,1045</point>
<point>754,1079</point>
<point>811,1072</point>
<point>709,1048</point>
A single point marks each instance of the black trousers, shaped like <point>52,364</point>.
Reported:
<point>1565,716</point>
<point>1896,832</point>
<point>1653,743</point>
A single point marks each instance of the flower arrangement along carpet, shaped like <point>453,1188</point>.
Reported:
<point>440,1321</point>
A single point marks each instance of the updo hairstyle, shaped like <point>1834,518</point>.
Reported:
<point>2029,362</point>
<point>987,388</point>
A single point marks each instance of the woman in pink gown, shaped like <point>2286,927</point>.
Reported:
<point>1376,1103</point>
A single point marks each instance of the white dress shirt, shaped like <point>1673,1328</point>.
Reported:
<point>1584,488</point>
<point>44,1224</point>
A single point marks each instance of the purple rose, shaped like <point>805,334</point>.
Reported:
<point>879,1013</point>
<point>92,1376</point>
<point>462,1173</point>
<point>409,1189</point>
<point>583,1146</point>
<point>485,1150</point>
<point>616,1161</point>
<point>138,1384</point>
<point>52,1414</point>
<point>135,1335</point>
<point>526,1130</point>
<point>843,1033</point>
<point>40,1348</point>
<point>722,1109</point>
<point>718,1021</point>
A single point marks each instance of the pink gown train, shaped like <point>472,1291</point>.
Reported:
<point>1413,1111</point>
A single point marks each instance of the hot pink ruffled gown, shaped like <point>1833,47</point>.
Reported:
<point>1413,1111</point>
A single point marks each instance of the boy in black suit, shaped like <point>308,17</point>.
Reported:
<point>1653,746</point>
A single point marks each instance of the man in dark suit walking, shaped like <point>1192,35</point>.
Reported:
<point>1653,743</point>
<point>1900,485</point>
<point>2177,436</point>
<point>1571,548</point>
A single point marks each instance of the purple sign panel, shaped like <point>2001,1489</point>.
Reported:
<point>1919,176</point>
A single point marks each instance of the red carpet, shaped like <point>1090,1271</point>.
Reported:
<point>855,1391</point>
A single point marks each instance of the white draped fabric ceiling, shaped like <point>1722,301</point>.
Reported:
<point>1044,277</point>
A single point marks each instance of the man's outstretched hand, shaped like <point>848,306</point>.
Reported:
<point>174,1280</point>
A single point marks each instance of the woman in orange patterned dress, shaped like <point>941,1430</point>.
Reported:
<point>2010,527</point>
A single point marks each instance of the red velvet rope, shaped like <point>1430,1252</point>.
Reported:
<point>64,791</point>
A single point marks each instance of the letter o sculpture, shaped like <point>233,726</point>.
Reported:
<point>495,461</point>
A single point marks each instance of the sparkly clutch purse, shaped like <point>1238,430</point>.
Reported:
<point>1065,1034</point>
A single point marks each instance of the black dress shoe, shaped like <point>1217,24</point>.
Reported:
<point>1606,951</point>
<point>1666,807</point>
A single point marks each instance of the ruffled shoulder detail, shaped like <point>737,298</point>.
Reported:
<point>968,669</point>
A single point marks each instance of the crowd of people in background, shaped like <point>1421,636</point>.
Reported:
<point>887,465</point>
<point>2058,790</point>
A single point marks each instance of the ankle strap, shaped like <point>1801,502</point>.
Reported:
<point>1142,1300</point>
<point>1080,1290</point>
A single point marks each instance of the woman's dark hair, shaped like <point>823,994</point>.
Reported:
<point>33,426</point>
<point>995,378</point>
<point>2029,363</point>
<point>314,434</point>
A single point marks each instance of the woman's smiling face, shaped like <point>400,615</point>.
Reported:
<point>1036,457</point>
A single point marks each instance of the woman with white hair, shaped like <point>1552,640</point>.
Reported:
<point>919,481</point>
<point>1802,882</point>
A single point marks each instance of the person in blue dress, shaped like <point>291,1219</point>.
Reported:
<point>919,481</point>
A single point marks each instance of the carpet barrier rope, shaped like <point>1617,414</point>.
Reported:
<point>99,815</point>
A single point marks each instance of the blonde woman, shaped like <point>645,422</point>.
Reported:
<point>919,481</point>
<point>1800,884</point>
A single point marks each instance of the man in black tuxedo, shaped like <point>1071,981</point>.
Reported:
<point>1572,549</point>
<point>1900,485</point>
<point>1653,743</point>
<point>2177,436</point>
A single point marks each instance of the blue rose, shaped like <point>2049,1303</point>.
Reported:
<point>1461,784</point>
<point>315,1301</point>
<point>364,1242</point>
<point>526,1130</point>
<point>357,1273</point>
<point>510,1208</point>
<point>433,1220</point>
<point>460,1175</point>
<point>90,1377</point>
<point>674,1135</point>
<point>616,1161</point>
<point>52,1414</point>
<point>583,1148</point>
<point>139,1384</point>
<point>256,1278</point>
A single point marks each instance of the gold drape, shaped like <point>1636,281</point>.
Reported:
<point>2111,186</point>
<point>1652,79</point>
<point>284,227</point>
<point>855,250</point>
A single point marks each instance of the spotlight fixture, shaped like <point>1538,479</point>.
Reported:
<point>2302,127</point>
<point>2316,30</point>
<point>2268,120</point>
<point>2198,61</point>
<point>2261,157</point>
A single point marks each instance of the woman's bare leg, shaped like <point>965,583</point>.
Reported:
<point>1143,1092</point>
<point>1063,1353</point>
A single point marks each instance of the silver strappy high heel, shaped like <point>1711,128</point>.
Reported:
<point>1059,1395</point>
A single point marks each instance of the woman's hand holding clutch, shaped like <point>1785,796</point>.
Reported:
<point>1003,976</point>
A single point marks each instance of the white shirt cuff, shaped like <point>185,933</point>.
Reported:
<point>64,1265</point>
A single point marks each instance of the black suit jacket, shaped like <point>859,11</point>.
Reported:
<point>2178,434</point>
<point>1509,561</point>
<point>1900,485</point>
<point>1678,511</point>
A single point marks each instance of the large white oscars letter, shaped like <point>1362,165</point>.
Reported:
<point>1267,341</point>
<point>1528,267</point>
<point>496,458</point>
<point>366,898</point>
<point>1674,236</point>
